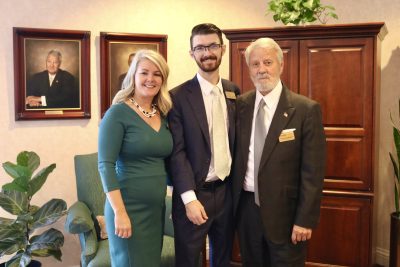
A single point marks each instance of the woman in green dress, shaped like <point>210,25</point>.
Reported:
<point>134,141</point>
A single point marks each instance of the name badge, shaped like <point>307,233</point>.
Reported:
<point>287,135</point>
<point>230,95</point>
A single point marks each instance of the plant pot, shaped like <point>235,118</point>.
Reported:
<point>33,263</point>
<point>394,259</point>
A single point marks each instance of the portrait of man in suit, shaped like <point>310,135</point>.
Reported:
<point>52,88</point>
<point>122,76</point>
<point>279,164</point>
<point>202,124</point>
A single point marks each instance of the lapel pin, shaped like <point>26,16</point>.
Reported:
<point>285,114</point>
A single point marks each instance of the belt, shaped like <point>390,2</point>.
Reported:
<point>247,192</point>
<point>213,184</point>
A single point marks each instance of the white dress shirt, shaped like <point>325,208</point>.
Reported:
<point>271,101</point>
<point>206,90</point>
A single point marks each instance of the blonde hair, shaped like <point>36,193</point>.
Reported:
<point>264,43</point>
<point>162,99</point>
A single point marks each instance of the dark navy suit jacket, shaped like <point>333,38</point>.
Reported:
<point>191,156</point>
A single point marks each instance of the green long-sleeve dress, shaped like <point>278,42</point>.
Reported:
<point>132,158</point>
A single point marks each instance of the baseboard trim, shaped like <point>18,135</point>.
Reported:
<point>382,256</point>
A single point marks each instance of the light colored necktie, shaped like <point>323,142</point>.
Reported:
<point>260,133</point>
<point>219,135</point>
<point>51,79</point>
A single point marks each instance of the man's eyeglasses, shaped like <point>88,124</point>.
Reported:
<point>203,48</point>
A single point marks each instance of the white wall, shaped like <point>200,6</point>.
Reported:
<point>59,140</point>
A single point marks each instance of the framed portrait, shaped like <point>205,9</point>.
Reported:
<point>51,74</point>
<point>116,53</point>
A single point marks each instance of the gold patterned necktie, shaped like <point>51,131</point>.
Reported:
<point>219,135</point>
<point>260,133</point>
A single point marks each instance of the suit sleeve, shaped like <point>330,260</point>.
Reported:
<point>180,168</point>
<point>313,156</point>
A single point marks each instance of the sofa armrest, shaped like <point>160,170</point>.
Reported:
<point>79,219</point>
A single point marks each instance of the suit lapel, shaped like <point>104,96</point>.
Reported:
<point>282,116</point>
<point>195,98</point>
<point>245,116</point>
<point>230,105</point>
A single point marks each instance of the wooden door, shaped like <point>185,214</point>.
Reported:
<point>338,74</point>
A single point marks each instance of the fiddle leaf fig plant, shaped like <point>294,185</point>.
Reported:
<point>18,235</point>
<point>396,160</point>
<point>300,11</point>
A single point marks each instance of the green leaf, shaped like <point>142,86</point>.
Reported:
<point>396,161</point>
<point>396,138</point>
<point>12,237</point>
<point>19,184</point>
<point>39,179</point>
<point>10,230</point>
<point>19,260</point>
<point>47,244</point>
<point>16,171</point>
<point>14,202</point>
<point>333,15</point>
<point>395,167</point>
<point>56,253</point>
<point>49,213</point>
<point>50,239</point>
<point>296,11</point>
<point>308,4</point>
<point>5,221</point>
<point>329,7</point>
<point>28,159</point>
<point>8,247</point>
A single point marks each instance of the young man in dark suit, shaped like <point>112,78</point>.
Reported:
<point>279,164</point>
<point>202,123</point>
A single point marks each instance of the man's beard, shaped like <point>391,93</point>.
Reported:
<point>264,87</point>
<point>207,68</point>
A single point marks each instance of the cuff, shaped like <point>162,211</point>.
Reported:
<point>188,196</point>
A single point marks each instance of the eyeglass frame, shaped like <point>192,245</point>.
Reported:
<point>203,48</point>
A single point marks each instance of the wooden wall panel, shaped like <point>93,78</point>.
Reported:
<point>338,74</point>
<point>342,233</point>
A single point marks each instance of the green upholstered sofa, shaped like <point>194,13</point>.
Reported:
<point>81,217</point>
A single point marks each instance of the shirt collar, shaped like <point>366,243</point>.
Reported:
<point>272,98</point>
<point>207,87</point>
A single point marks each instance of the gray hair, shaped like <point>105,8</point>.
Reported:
<point>55,53</point>
<point>267,43</point>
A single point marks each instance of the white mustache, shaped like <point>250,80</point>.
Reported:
<point>263,76</point>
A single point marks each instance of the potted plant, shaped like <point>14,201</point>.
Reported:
<point>300,11</point>
<point>19,234</point>
<point>395,216</point>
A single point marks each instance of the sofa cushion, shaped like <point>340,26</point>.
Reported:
<point>88,183</point>
<point>102,258</point>
<point>78,219</point>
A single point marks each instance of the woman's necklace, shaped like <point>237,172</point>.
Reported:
<point>150,114</point>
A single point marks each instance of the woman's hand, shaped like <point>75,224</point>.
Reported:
<point>123,226</point>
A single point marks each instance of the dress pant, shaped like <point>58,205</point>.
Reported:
<point>255,247</point>
<point>190,238</point>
